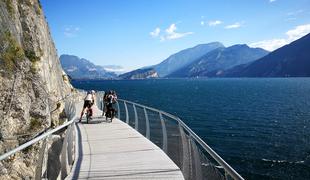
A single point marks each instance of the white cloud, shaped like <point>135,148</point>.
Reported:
<point>171,29</point>
<point>298,32</point>
<point>71,31</point>
<point>272,1</point>
<point>270,45</point>
<point>215,23</point>
<point>155,33</point>
<point>169,34</point>
<point>291,36</point>
<point>202,23</point>
<point>233,26</point>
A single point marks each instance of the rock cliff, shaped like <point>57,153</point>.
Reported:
<point>33,83</point>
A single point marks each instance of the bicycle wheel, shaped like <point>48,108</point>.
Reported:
<point>87,116</point>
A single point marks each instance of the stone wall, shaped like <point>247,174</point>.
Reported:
<point>32,83</point>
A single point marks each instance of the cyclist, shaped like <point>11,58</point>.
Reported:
<point>110,100</point>
<point>89,100</point>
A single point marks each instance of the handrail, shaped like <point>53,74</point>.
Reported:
<point>67,156</point>
<point>192,135</point>
<point>35,140</point>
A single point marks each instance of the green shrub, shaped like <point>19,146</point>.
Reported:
<point>39,3</point>
<point>35,123</point>
<point>31,55</point>
<point>33,68</point>
<point>33,58</point>
<point>10,7</point>
<point>12,51</point>
<point>64,78</point>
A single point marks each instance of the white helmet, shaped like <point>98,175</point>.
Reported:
<point>93,92</point>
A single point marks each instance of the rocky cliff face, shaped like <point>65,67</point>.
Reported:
<point>33,83</point>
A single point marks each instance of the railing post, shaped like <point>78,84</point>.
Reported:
<point>70,145</point>
<point>147,124</point>
<point>126,110</point>
<point>64,158</point>
<point>118,111</point>
<point>38,172</point>
<point>198,172</point>
<point>163,125</point>
<point>101,104</point>
<point>185,153</point>
<point>136,118</point>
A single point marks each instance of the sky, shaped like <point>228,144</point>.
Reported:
<point>138,33</point>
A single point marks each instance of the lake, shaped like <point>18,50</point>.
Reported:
<point>261,127</point>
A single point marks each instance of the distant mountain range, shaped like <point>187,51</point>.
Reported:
<point>207,60</point>
<point>79,68</point>
<point>147,73</point>
<point>292,60</point>
<point>219,60</point>
<point>184,57</point>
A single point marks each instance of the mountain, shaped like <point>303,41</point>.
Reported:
<point>140,74</point>
<point>79,68</point>
<point>292,60</point>
<point>184,57</point>
<point>220,59</point>
<point>114,68</point>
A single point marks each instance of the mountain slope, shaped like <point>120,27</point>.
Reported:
<point>291,60</point>
<point>140,74</point>
<point>184,57</point>
<point>78,68</point>
<point>219,60</point>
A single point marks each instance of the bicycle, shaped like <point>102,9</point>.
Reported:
<point>110,113</point>
<point>88,114</point>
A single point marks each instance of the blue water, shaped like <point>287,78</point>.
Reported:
<point>261,127</point>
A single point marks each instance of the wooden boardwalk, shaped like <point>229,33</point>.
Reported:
<point>116,151</point>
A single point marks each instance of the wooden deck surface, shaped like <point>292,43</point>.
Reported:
<point>116,151</point>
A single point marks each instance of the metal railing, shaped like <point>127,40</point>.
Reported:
<point>188,151</point>
<point>45,168</point>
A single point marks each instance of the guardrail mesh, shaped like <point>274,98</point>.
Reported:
<point>177,141</point>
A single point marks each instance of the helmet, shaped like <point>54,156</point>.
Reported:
<point>93,92</point>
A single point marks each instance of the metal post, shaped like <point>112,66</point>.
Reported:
<point>70,145</point>
<point>127,117</point>
<point>63,157</point>
<point>165,147</point>
<point>38,173</point>
<point>136,118</point>
<point>197,162</point>
<point>185,151</point>
<point>102,105</point>
<point>118,111</point>
<point>147,124</point>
